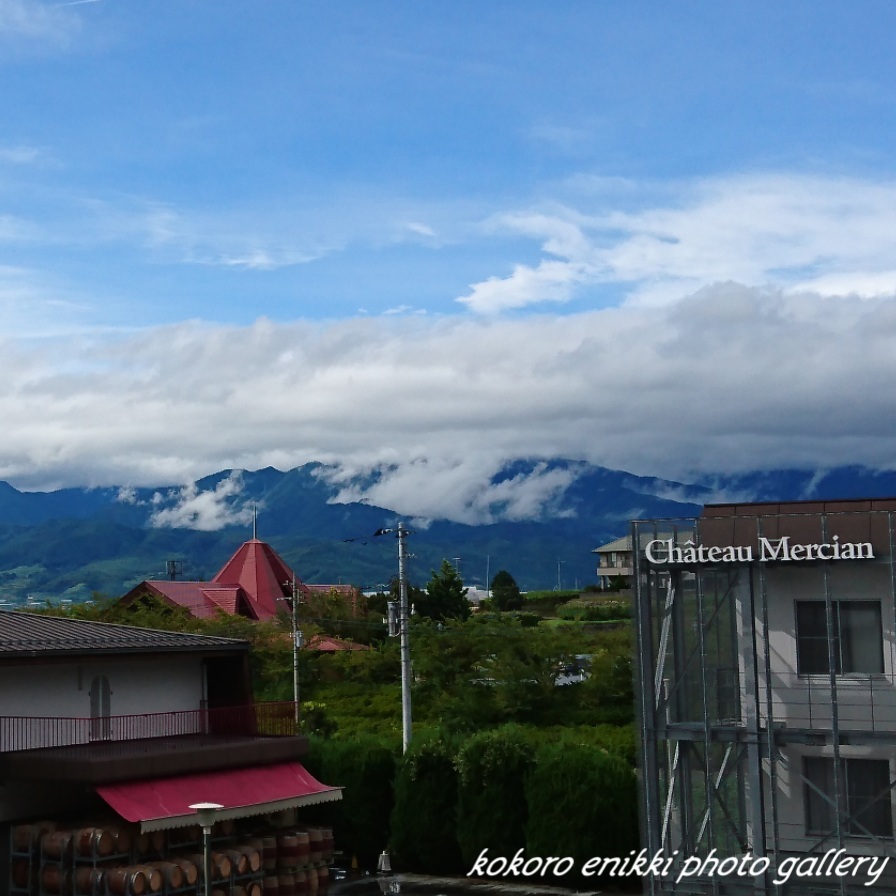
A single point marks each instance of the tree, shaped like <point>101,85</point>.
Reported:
<point>446,597</point>
<point>505,592</point>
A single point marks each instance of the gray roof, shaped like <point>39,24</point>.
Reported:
<point>31,634</point>
<point>621,544</point>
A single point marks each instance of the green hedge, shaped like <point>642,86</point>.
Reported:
<point>491,798</point>
<point>583,802</point>
<point>424,820</point>
<point>365,767</point>
<point>553,792</point>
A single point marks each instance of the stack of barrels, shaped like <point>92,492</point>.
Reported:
<point>296,861</point>
<point>115,859</point>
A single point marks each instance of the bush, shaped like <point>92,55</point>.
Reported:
<point>365,767</point>
<point>424,820</point>
<point>595,610</point>
<point>491,799</point>
<point>582,802</point>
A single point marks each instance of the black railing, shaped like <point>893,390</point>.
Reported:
<point>43,732</point>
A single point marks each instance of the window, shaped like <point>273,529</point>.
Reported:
<point>857,637</point>
<point>865,807</point>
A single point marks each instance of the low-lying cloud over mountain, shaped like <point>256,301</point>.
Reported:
<point>728,379</point>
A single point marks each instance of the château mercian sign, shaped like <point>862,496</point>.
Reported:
<point>664,551</point>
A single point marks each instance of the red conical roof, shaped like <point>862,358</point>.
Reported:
<point>259,570</point>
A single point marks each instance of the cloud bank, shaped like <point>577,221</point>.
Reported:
<point>729,378</point>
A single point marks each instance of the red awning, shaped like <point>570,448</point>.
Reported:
<point>161,803</point>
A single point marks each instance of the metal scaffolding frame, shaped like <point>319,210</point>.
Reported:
<point>713,744</point>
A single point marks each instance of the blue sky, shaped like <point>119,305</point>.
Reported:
<point>438,236</point>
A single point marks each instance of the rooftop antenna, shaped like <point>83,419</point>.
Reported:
<point>255,522</point>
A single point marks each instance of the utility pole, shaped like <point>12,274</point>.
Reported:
<point>297,642</point>
<point>403,620</point>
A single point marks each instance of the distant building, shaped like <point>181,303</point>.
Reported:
<point>255,582</point>
<point>614,561</point>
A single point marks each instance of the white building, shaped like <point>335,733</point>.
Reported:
<point>767,697</point>
<point>124,727</point>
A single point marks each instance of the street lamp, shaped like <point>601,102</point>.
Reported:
<point>206,814</point>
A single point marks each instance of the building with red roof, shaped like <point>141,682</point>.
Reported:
<point>255,582</point>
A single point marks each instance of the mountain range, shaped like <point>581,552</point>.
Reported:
<point>70,543</point>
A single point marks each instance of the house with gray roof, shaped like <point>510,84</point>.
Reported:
<point>127,728</point>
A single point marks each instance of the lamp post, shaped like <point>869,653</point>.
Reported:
<point>206,814</point>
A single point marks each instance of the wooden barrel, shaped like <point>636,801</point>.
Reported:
<point>88,880</point>
<point>188,868</point>
<point>301,878</point>
<point>328,843</point>
<point>323,877</point>
<point>253,857</point>
<point>172,874</point>
<point>129,881</point>
<point>253,888</point>
<point>122,837</point>
<point>315,844</point>
<point>26,837</point>
<point>54,879</point>
<point>304,846</point>
<point>238,890</point>
<point>313,881</point>
<point>271,885</point>
<point>56,844</point>
<point>94,843</point>
<point>288,850</point>
<point>19,873</point>
<point>155,880</point>
<point>149,844</point>
<point>287,884</point>
<point>268,853</point>
<point>239,861</point>
<point>221,866</point>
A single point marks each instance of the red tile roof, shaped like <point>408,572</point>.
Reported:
<point>326,644</point>
<point>258,569</point>
<point>255,582</point>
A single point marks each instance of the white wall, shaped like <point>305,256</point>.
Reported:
<point>138,685</point>
<point>864,702</point>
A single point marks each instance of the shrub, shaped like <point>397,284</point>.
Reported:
<point>365,767</point>
<point>491,799</point>
<point>582,803</point>
<point>424,820</point>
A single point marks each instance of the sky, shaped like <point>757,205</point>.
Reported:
<point>427,239</point>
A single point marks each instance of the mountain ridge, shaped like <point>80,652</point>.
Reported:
<point>69,543</point>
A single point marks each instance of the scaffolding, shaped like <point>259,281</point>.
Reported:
<point>767,699</point>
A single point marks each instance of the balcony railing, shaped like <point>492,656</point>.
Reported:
<point>252,720</point>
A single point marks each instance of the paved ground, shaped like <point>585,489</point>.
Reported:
<point>423,885</point>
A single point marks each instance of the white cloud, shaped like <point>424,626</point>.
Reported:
<point>19,155</point>
<point>832,235</point>
<point>206,511</point>
<point>730,378</point>
<point>35,21</point>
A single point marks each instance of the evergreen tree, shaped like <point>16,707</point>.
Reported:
<point>446,597</point>
<point>505,592</point>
